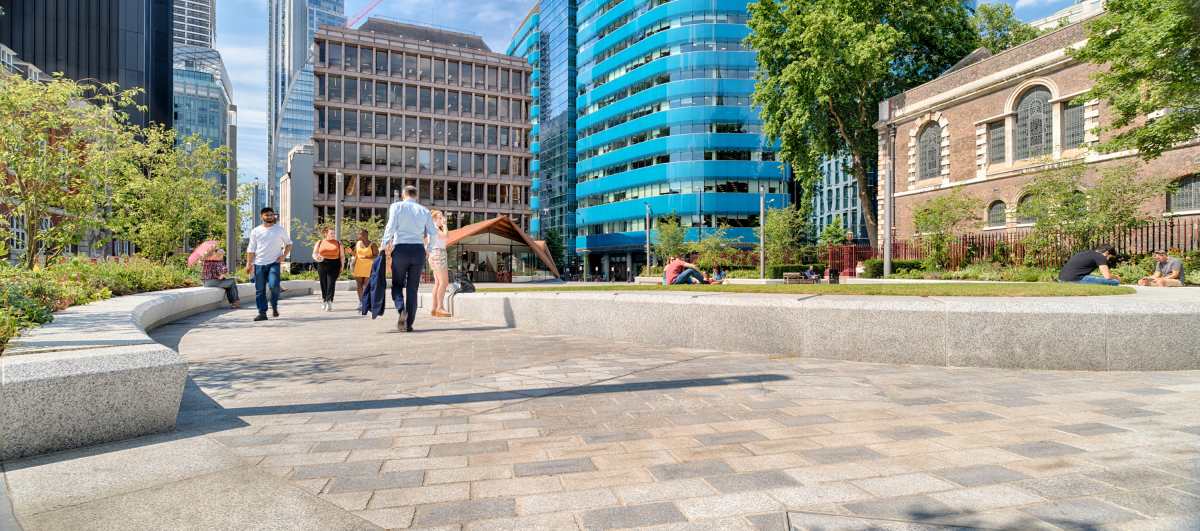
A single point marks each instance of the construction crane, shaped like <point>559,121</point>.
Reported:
<point>362,13</point>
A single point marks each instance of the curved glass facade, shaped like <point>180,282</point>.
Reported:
<point>665,122</point>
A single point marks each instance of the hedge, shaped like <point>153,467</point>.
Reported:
<point>777,270</point>
<point>873,268</point>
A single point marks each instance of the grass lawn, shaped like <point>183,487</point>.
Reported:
<point>1015,289</point>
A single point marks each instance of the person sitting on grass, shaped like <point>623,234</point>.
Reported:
<point>718,276</point>
<point>1168,272</point>
<point>1080,266</point>
<point>680,271</point>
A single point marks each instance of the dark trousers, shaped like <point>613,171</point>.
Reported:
<point>266,276</point>
<point>327,272</point>
<point>408,260</point>
<point>227,284</point>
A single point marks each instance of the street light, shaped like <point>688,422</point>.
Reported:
<point>762,248</point>
<point>647,205</point>
<point>337,204</point>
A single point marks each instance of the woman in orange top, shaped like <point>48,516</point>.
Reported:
<point>364,254</point>
<point>328,255</point>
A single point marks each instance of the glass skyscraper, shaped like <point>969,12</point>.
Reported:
<point>836,197</point>
<point>665,124</point>
<point>203,101</point>
<point>547,40</point>
<point>292,25</point>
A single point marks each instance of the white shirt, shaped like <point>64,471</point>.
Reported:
<point>408,223</point>
<point>268,243</point>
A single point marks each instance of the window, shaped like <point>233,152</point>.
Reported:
<point>410,97</point>
<point>1035,128</point>
<point>439,70</point>
<point>410,66</point>
<point>335,55</point>
<point>467,74</point>
<point>1072,126</point>
<point>352,57</point>
<point>929,152</point>
<point>452,133</point>
<point>351,123</point>
<point>452,72</point>
<point>452,163</point>
<point>995,139</point>
<point>439,101</point>
<point>381,123</point>
<point>367,121</point>
<point>368,92</point>
<point>452,102</point>
<point>397,61</point>
<point>397,129</point>
<point>351,90</point>
<point>997,214</point>
<point>397,95</point>
<point>335,88</point>
<point>439,162</point>
<point>423,160</point>
<point>1186,196</point>
<point>1022,217</point>
<point>439,131</point>
<point>424,70</point>
<point>381,62</point>
<point>381,94</point>
<point>366,62</point>
<point>426,96</point>
<point>426,130</point>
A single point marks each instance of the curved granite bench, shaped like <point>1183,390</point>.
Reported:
<point>93,375</point>
<point>1129,332</point>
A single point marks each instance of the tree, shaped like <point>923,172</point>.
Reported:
<point>64,145</point>
<point>783,234</point>
<point>715,249</point>
<point>824,65</point>
<point>833,234</point>
<point>1069,216</point>
<point>554,245</point>
<point>669,238</point>
<point>172,204</point>
<point>999,29</point>
<point>939,219</point>
<point>1149,52</point>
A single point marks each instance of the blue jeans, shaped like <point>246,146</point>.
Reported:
<point>1096,279</point>
<point>687,275</point>
<point>266,276</point>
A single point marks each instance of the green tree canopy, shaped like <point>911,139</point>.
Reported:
<point>172,204</point>
<point>999,29</point>
<point>833,234</point>
<point>824,65</point>
<point>1069,216</point>
<point>783,234</point>
<point>554,245</point>
<point>940,219</point>
<point>669,238</point>
<point>1150,56</point>
<point>64,146</point>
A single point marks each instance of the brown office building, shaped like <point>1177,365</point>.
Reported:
<point>990,125</point>
<point>399,104</point>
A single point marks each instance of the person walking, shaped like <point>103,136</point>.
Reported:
<point>408,225</point>
<point>215,274</point>
<point>364,254</point>
<point>269,246</point>
<point>328,254</point>
<point>438,263</point>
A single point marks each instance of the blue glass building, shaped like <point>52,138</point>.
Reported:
<point>292,25</point>
<point>665,123</point>
<point>203,101</point>
<point>547,40</point>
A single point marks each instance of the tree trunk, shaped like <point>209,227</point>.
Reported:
<point>866,202</point>
<point>31,242</point>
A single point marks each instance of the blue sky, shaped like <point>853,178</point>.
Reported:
<point>242,40</point>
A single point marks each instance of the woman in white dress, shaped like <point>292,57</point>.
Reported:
<point>438,264</point>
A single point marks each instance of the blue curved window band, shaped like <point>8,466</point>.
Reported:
<point>664,92</point>
<point>592,22</point>
<point>587,28</point>
<point>707,113</point>
<point>668,144</point>
<point>679,172</point>
<point>671,37</point>
<point>681,204</point>
<point>665,65</point>
<point>637,239</point>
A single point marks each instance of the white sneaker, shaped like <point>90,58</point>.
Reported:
<point>324,306</point>
<point>329,306</point>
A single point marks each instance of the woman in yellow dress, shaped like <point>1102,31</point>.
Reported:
<point>364,254</point>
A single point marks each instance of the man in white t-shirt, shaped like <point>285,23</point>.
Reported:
<point>269,246</point>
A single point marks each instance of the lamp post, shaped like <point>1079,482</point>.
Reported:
<point>647,205</point>
<point>887,202</point>
<point>337,204</point>
<point>762,248</point>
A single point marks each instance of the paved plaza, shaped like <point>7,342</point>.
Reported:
<point>333,421</point>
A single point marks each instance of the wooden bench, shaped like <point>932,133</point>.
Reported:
<point>798,278</point>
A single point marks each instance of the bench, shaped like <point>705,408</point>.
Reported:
<point>798,278</point>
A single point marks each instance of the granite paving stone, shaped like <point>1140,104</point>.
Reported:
<point>974,476</point>
<point>472,426</point>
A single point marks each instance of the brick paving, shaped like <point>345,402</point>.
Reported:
<point>467,426</point>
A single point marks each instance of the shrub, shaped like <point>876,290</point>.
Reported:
<point>29,298</point>
<point>647,271</point>
<point>873,267</point>
<point>1192,277</point>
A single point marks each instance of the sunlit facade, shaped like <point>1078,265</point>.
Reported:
<point>665,124</point>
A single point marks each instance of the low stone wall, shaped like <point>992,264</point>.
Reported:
<point>94,375</point>
<point>1073,333</point>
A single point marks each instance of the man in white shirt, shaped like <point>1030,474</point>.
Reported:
<point>269,246</point>
<point>404,240</point>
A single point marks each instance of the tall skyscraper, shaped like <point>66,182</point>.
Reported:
<point>195,23</point>
<point>665,126</point>
<point>836,198</point>
<point>203,101</point>
<point>547,40</point>
<point>292,25</point>
<point>123,41</point>
<point>399,104</point>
